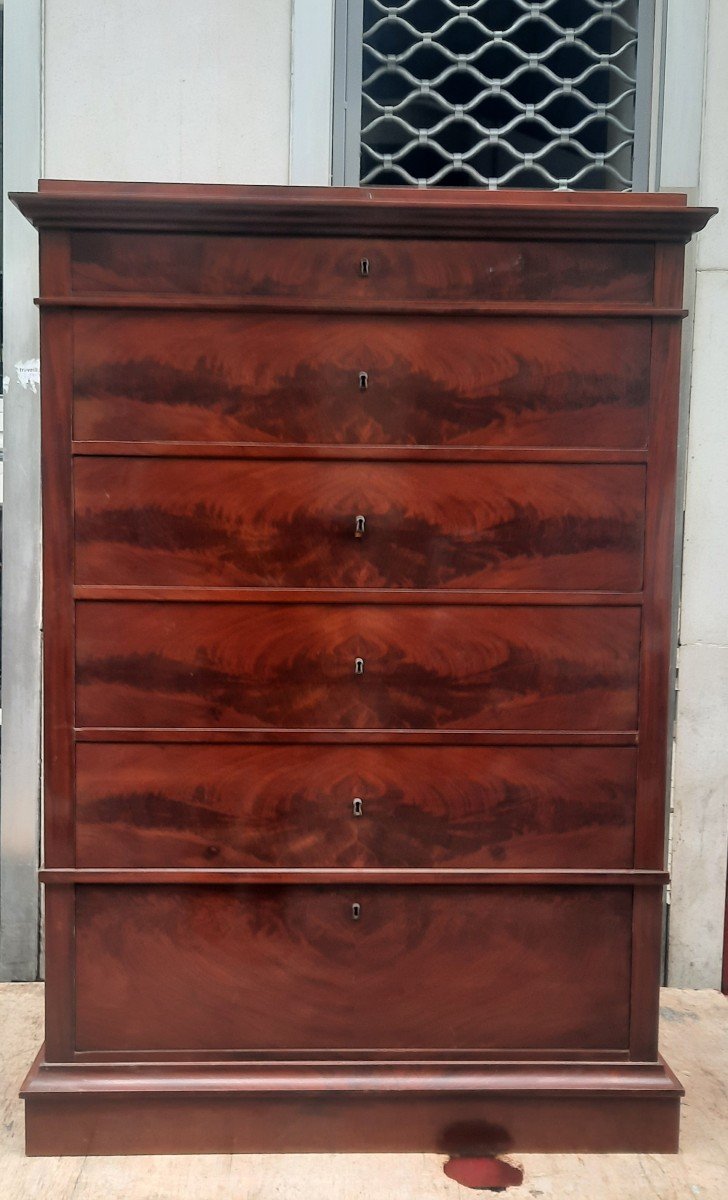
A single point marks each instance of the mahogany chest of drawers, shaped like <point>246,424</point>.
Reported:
<point>358,521</point>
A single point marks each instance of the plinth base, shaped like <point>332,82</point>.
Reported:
<point>472,1108</point>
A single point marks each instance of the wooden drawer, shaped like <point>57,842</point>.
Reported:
<point>296,806</point>
<point>222,523</point>
<point>286,967</point>
<point>294,666</point>
<point>297,379</point>
<point>331,268</point>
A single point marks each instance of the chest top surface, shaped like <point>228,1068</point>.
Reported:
<point>449,212</point>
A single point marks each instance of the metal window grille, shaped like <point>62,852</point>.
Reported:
<point>493,93</point>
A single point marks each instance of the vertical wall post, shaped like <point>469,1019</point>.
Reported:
<point>312,68</point>
<point>21,634</point>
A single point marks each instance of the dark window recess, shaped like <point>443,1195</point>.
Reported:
<point>499,93</point>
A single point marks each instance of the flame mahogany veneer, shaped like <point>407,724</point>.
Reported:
<point>354,828</point>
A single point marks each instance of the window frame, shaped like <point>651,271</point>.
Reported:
<point>347,83</point>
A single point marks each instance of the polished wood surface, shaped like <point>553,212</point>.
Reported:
<point>355,842</point>
<point>227,806</point>
<point>455,1109</point>
<point>280,666</point>
<point>401,877</point>
<point>294,524</point>
<point>695,1037</point>
<point>461,213</point>
<point>291,968</point>
<point>276,379</point>
<point>359,269</point>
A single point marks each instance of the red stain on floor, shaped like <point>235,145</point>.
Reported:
<point>485,1174</point>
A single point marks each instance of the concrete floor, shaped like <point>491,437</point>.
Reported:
<point>694,1040</point>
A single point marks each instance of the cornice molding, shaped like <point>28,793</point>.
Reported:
<point>376,212</point>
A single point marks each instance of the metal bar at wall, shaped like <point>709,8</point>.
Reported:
<point>21,689</point>
<point>647,47</point>
<point>348,25</point>
<point>312,29</point>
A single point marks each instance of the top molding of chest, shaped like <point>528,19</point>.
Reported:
<point>348,249</point>
<point>379,212</point>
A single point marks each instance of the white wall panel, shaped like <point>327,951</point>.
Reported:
<point>713,244</point>
<point>312,72</point>
<point>700,832</point>
<point>704,616</point>
<point>700,797</point>
<point>167,90</point>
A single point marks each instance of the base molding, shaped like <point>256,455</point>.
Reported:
<point>454,1108</point>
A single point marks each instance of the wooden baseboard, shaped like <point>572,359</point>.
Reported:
<point>446,1108</point>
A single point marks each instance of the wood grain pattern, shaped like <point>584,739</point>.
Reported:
<point>657,674</point>
<point>451,1108</point>
<point>268,666</point>
<point>279,595</point>
<point>228,806</point>
<point>355,737</point>
<point>462,213</point>
<point>290,524</point>
<point>363,877</point>
<point>288,267</point>
<point>532,1120</point>
<point>497,396</point>
<point>296,379</point>
<point>648,926</point>
<point>360,453</point>
<point>57,600</point>
<point>225,967</point>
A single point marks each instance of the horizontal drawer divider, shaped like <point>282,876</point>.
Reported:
<point>275,304</point>
<point>400,737</point>
<point>359,453</point>
<point>264,595</point>
<point>533,1076</point>
<point>345,876</point>
<point>406,1057</point>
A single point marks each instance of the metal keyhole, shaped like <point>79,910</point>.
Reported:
<point>358,807</point>
<point>360,525</point>
<point>358,666</point>
<point>355,912</point>
<point>364,267</point>
<point>363,381</point>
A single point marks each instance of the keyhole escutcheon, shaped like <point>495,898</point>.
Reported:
<point>360,525</point>
<point>364,267</point>
<point>355,912</point>
<point>363,381</point>
<point>358,666</point>
<point>358,807</point>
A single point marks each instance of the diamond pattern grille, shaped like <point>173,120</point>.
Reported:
<point>499,93</point>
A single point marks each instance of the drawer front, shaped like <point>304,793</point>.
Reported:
<point>285,967</point>
<point>331,268</point>
<point>354,806</point>
<point>295,666</point>
<point>433,381</point>
<point>293,524</point>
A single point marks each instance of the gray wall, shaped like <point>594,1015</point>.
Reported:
<point>700,798</point>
